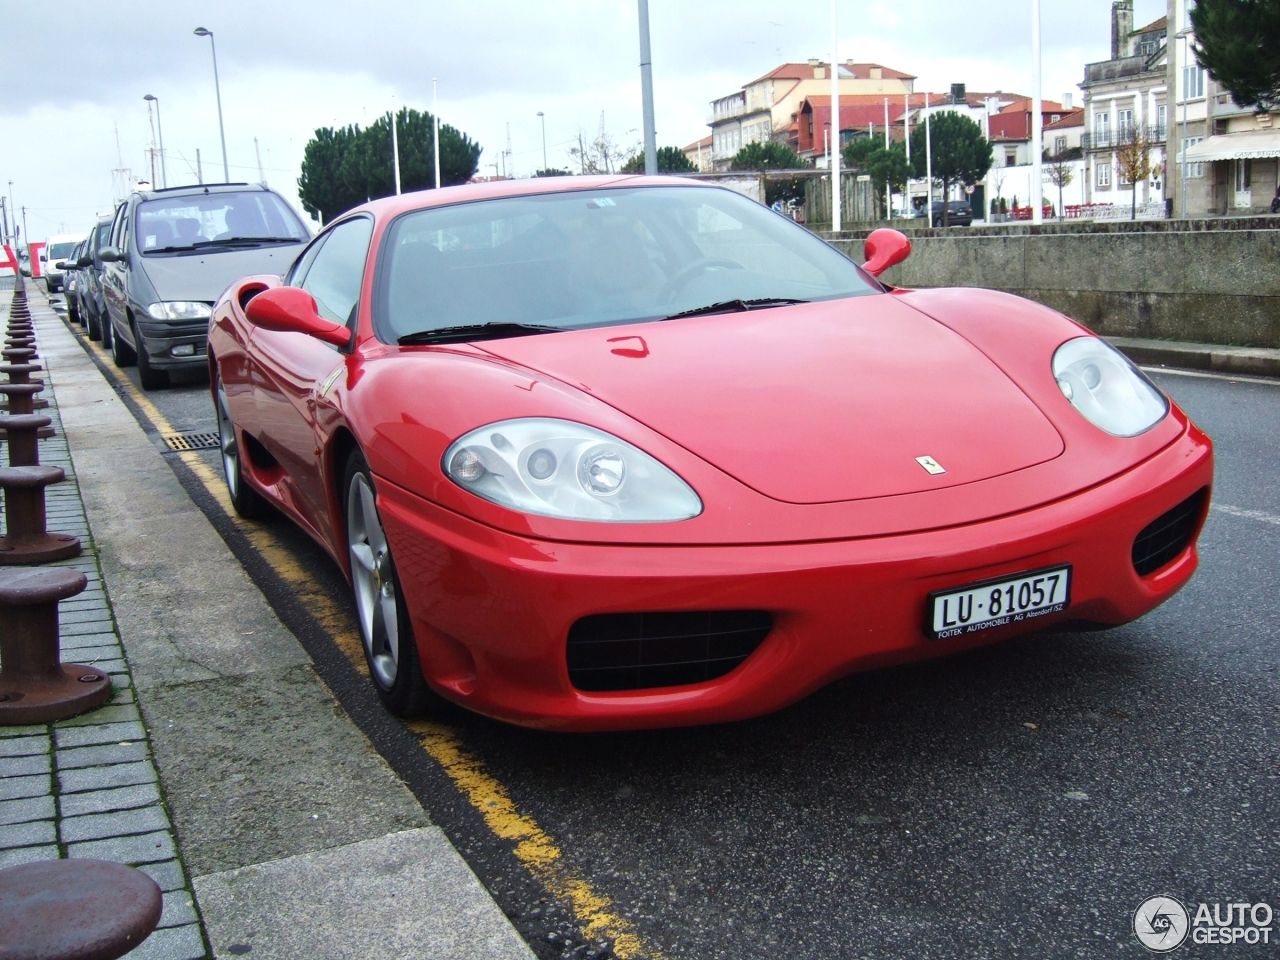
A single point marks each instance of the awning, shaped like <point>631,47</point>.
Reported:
<point>1249,145</point>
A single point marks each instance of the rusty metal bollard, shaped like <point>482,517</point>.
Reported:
<point>22,435</point>
<point>26,541</point>
<point>22,397</point>
<point>34,686</point>
<point>76,910</point>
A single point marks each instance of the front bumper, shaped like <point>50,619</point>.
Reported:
<point>492,611</point>
<point>160,338</point>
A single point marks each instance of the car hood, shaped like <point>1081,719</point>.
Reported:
<point>203,276</point>
<point>814,403</point>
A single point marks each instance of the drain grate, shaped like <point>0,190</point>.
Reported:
<point>191,441</point>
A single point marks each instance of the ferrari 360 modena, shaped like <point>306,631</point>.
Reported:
<point>625,452</point>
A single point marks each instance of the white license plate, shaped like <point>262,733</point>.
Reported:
<point>998,602</point>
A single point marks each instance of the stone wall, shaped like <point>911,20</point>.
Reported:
<point>1208,281</point>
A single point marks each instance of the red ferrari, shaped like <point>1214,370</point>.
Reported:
<point>622,452</point>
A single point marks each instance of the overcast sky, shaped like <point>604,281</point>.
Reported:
<point>73,82</point>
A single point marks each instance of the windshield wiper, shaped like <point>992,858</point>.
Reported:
<point>736,306</point>
<point>474,331</point>
<point>228,242</point>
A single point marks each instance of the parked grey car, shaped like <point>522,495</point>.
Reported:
<point>169,256</point>
<point>72,279</point>
<point>93,308</point>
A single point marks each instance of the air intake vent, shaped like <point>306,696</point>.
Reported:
<point>636,651</point>
<point>1168,535</point>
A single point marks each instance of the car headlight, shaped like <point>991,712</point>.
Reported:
<point>1106,388</point>
<point>557,468</point>
<point>180,310</point>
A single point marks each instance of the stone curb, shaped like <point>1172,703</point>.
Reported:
<point>1246,361</point>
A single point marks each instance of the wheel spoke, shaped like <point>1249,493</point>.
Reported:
<point>361,553</point>
<point>373,529</point>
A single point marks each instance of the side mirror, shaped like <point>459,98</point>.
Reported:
<point>293,310</point>
<point>110,255</point>
<point>64,265</point>
<point>85,261</point>
<point>883,249</point>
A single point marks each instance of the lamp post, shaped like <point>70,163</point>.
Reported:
<point>1180,85</point>
<point>835,126</point>
<point>217,89</point>
<point>646,94</point>
<point>164,173</point>
<point>543,117</point>
<point>1037,120</point>
<point>435,127</point>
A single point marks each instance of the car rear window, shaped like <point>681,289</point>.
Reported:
<point>60,251</point>
<point>591,258</point>
<point>174,224</point>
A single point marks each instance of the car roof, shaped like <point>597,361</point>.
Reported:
<point>201,189</point>
<point>468,192</point>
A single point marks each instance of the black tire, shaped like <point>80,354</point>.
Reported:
<point>393,662</point>
<point>122,354</point>
<point>73,310</point>
<point>148,376</point>
<point>108,337</point>
<point>248,503</point>
<point>94,325</point>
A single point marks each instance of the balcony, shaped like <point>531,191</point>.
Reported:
<point>1110,139</point>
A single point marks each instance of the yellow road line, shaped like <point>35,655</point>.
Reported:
<point>536,850</point>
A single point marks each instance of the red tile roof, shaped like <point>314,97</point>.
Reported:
<point>804,71</point>
<point>1073,119</point>
<point>1161,24</point>
<point>704,142</point>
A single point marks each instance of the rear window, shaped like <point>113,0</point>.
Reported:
<point>60,251</point>
<point>174,224</point>
<point>592,258</point>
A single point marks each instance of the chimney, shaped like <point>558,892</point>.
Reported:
<point>819,72</point>
<point>1066,102</point>
<point>1121,27</point>
<point>958,93</point>
<point>877,73</point>
<point>814,62</point>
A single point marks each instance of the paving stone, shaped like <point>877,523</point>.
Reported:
<point>91,654</point>
<point>112,667</point>
<point>118,823</point>
<point>98,615</point>
<point>126,752</point>
<point>102,778</point>
<point>23,766</point>
<point>168,876</point>
<point>27,834</point>
<point>179,909</point>
<point>26,809</point>
<point>175,943</point>
<point>78,641</point>
<point>100,733</point>
<point>14,788</point>
<point>112,713</point>
<point>146,848</point>
<point>105,801</point>
<point>24,746</point>
<point>7,732</point>
<point>11,858</point>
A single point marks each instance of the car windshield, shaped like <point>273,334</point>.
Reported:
<point>591,258</point>
<point>175,224</point>
<point>60,251</point>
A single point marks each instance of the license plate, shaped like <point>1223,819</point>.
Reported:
<point>998,602</point>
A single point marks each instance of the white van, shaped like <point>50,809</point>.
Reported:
<point>57,247</point>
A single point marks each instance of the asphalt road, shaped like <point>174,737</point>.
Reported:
<point>1020,800</point>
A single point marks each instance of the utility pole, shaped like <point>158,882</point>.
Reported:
<point>888,184</point>
<point>906,136</point>
<point>4,219</point>
<point>928,160</point>
<point>164,172</point>
<point>1037,120</point>
<point>646,93</point>
<point>543,117</point>
<point>835,125</point>
<point>435,123</point>
<point>257,152</point>
<point>199,169</point>
<point>395,150</point>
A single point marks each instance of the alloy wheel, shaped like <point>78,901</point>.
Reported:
<point>227,442</point>
<point>374,580</point>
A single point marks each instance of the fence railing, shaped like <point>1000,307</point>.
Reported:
<point>1102,140</point>
<point>1152,210</point>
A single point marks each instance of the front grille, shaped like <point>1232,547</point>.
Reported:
<point>1168,535</point>
<point>635,651</point>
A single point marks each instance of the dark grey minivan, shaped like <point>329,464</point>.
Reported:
<point>170,255</point>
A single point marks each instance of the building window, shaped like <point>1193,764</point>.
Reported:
<point>1059,145</point>
<point>1194,170</point>
<point>1124,123</point>
<point>1104,176</point>
<point>1192,82</point>
<point>1244,175</point>
<point>1122,177</point>
<point>1162,121</point>
<point>1102,128</point>
<point>1010,157</point>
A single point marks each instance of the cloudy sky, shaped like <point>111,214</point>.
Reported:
<point>72,109</point>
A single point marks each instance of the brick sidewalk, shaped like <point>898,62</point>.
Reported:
<point>87,787</point>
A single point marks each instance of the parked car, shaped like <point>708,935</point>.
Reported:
<point>72,280</point>
<point>92,302</point>
<point>619,452</point>
<point>172,252</point>
<point>960,213</point>
<point>56,250</point>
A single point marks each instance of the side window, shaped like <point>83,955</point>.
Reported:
<point>335,276</point>
<point>117,227</point>
<point>298,272</point>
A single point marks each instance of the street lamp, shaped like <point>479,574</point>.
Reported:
<point>543,117</point>
<point>164,173</point>
<point>646,93</point>
<point>1180,85</point>
<point>1037,119</point>
<point>217,89</point>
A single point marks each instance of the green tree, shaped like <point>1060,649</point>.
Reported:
<point>670,160</point>
<point>346,167</point>
<point>1238,42</point>
<point>766,155</point>
<point>553,172</point>
<point>961,154</point>
<point>884,165</point>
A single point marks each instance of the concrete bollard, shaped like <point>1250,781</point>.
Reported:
<point>22,435</point>
<point>26,541</point>
<point>76,910</point>
<point>35,687</point>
